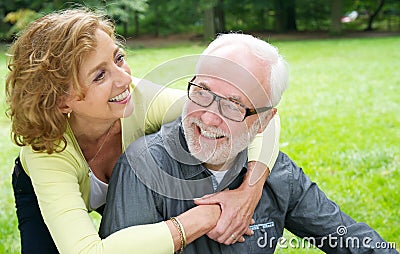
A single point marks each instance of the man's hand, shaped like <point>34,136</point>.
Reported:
<point>237,206</point>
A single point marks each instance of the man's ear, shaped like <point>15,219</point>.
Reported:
<point>266,118</point>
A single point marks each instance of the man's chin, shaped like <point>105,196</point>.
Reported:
<point>201,156</point>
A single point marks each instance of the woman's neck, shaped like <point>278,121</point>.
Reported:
<point>87,131</point>
<point>100,144</point>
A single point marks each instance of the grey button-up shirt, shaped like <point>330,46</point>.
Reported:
<point>157,178</point>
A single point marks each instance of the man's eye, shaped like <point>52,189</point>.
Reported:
<point>202,93</point>
<point>231,106</point>
<point>99,76</point>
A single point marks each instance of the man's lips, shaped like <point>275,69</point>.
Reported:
<point>209,134</point>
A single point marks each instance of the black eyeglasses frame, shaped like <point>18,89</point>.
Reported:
<point>249,111</point>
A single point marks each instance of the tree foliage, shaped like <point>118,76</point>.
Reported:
<point>20,19</point>
<point>126,11</point>
<point>158,17</point>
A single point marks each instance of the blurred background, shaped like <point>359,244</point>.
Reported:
<point>205,18</point>
<point>340,117</point>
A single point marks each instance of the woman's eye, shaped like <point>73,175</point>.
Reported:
<point>120,58</point>
<point>99,76</point>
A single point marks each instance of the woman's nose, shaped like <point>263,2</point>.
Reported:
<point>122,77</point>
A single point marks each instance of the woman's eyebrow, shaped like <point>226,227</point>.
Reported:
<point>94,69</point>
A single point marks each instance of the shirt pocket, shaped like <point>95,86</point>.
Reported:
<point>265,237</point>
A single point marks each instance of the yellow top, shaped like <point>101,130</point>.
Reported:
<point>62,185</point>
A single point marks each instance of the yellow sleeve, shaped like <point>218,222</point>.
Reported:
<point>163,104</point>
<point>150,238</point>
<point>265,147</point>
<point>61,185</point>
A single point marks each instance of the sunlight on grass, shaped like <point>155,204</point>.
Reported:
<point>340,123</point>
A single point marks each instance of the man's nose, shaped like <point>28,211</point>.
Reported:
<point>211,115</point>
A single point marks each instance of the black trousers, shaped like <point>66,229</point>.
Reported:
<point>35,237</point>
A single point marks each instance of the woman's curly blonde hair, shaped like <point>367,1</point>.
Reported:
<point>44,65</point>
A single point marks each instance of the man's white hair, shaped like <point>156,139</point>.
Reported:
<point>277,70</point>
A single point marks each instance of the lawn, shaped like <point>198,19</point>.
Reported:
<point>340,123</point>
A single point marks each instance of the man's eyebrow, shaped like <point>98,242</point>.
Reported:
<point>116,50</point>
<point>235,98</point>
<point>204,85</point>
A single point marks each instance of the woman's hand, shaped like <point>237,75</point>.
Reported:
<point>237,206</point>
<point>196,222</point>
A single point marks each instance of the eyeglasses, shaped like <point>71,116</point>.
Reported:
<point>228,108</point>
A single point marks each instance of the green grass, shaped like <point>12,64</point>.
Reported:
<point>340,123</point>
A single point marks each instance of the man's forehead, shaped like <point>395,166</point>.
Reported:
<point>245,75</point>
<point>221,87</point>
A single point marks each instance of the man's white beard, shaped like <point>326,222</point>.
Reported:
<point>220,153</point>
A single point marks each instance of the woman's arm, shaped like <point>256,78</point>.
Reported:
<point>146,238</point>
<point>60,187</point>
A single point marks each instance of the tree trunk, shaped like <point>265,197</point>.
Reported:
<point>285,15</point>
<point>280,16</point>
<point>290,9</point>
<point>373,16</point>
<point>157,21</point>
<point>336,14</point>
<point>209,26</point>
<point>136,21</point>
<point>261,19</point>
<point>125,23</point>
<point>220,16</point>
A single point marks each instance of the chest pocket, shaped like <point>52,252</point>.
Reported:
<point>264,239</point>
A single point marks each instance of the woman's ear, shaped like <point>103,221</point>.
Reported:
<point>64,104</point>
<point>68,101</point>
<point>266,118</point>
<point>65,109</point>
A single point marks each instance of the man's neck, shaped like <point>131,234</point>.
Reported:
<point>221,167</point>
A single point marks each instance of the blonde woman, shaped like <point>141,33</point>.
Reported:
<point>73,109</point>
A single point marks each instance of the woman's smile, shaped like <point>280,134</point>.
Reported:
<point>121,98</point>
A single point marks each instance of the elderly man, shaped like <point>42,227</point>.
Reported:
<point>239,80</point>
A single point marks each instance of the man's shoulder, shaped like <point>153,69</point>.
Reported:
<point>154,147</point>
<point>285,170</point>
<point>147,143</point>
<point>288,178</point>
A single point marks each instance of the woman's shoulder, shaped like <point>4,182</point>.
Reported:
<point>69,160</point>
